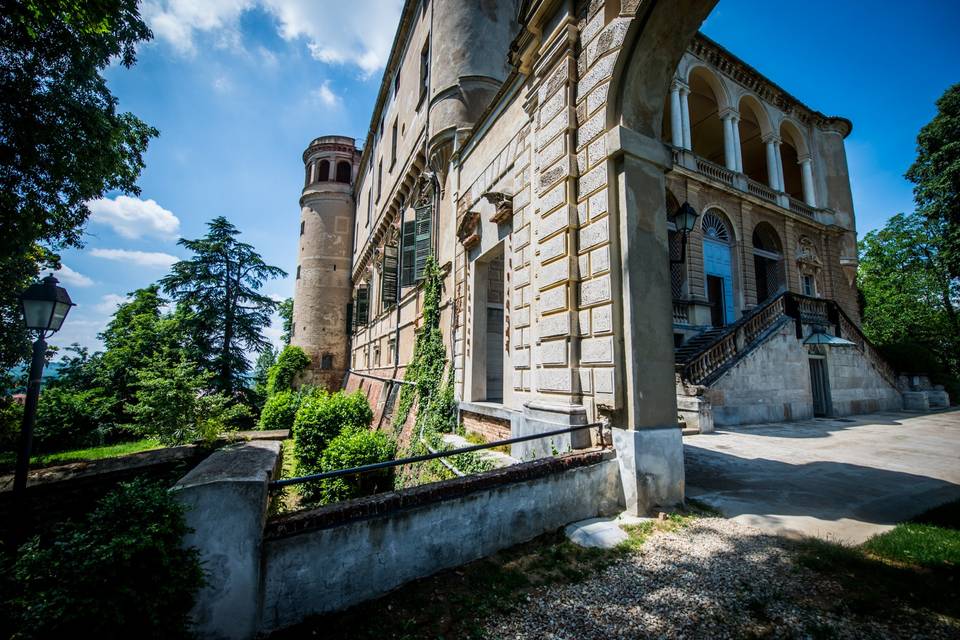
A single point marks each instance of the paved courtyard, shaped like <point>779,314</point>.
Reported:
<point>844,479</point>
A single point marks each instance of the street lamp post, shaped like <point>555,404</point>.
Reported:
<point>45,306</point>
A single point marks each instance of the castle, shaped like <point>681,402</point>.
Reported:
<point>629,229</point>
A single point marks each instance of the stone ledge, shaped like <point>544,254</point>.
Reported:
<point>386,503</point>
<point>489,409</point>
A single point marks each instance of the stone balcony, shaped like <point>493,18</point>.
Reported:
<point>715,173</point>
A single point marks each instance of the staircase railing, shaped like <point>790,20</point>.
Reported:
<point>733,341</point>
<point>739,338</point>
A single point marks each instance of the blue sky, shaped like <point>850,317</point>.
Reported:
<point>238,88</point>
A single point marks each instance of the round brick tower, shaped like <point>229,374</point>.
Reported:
<point>322,291</point>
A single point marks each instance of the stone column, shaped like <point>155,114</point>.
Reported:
<point>729,146</point>
<point>737,150</point>
<point>676,118</point>
<point>806,167</point>
<point>773,152</point>
<point>647,436</point>
<point>685,116</point>
<point>779,157</point>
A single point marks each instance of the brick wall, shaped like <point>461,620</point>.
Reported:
<point>487,426</point>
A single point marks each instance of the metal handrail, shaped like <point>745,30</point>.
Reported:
<point>285,482</point>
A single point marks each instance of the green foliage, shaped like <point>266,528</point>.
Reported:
<point>69,419</point>
<point>260,371</point>
<point>173,405</point>
<point>936,175</point>
<point>285,310</point>
<point>11,419</point>
<point>920,544</point>
<point>280,410</point>
<point>62,141</point>
<point>121,573</point>
<point>322,417</point>
<point>910,299</point>
<point>220,287</point>
<point>290,362</point>
<point>353,448</point>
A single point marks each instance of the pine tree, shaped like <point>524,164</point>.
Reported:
<point>220,286</point>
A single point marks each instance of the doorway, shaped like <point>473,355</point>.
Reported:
<point>488,328</point>
<point>820,388</point>
<point>715,296</point>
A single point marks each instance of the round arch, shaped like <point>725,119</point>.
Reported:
<point>768,264</point>
<point>706,101</point>
<point>793,147</point>
<point>718,269</point>
<point>754,126</point>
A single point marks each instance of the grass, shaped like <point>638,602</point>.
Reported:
<point>456,603</point>
<point>286,499</point>
<point>475,438</point>
<point>910,570</point>
<point>8,459</point>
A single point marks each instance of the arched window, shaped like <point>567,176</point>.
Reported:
<point>767,261</point>
<point>343,171</point>
<point>753,126</point>
<point>718,266</point>
<point>792,146</point>
<point>323,171</point>
<point>706,128</point>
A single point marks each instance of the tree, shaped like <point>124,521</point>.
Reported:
<point>221,286</point>
<point>290,362</point>
<point>286,315</point>
<point>62,141</point>
<point>266,359</point>
<point>936,175</point>
<point>910,299</point>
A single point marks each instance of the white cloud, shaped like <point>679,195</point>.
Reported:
<point>222,84</point>
<point>134,218</point>
<point>108,303</point>
<point>68,276</point>
<point>325,95</point>
<point>139,258</point>
<point>359,32</point>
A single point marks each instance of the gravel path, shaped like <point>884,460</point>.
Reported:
<point>713,579</point>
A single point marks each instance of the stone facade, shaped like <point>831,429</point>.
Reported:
<point>555,149</point>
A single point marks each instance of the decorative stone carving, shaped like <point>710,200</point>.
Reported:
<point>503,204</point>
<point>808,259</point>
<point>468,230</point>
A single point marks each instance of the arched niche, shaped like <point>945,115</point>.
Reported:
<point>768,265</point>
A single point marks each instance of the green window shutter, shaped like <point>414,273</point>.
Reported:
<point>388,277</point>
<point>424,246</point>
<point>362,307</point>
<point>408,254</point>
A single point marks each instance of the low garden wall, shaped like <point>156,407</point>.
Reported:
<point>322,560</point>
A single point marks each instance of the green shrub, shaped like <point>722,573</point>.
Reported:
<point>11,419</point>
<point>290,362</point>
<point>72,419</point>
<point>322,417</point>
<point>121,573</point>
<point>174,407</point>
<point>280,410</point>
<point>353,449</point>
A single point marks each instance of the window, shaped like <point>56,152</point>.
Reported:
<point>361,307</point>
<point>393,145</point>
<point>298,272</point>
<point>343,172</point>
<point>379,178</point>
<point>809,286</point>
<point>293,329</point>
<point>424,70</point>
<point>396,82</point>
<point>303,225</point>
<point>388,277</point>
<point>308,178</point>
<point>416,246</point>
<point>323,173</point>
<point>326,361</point>
<point>369,204</point>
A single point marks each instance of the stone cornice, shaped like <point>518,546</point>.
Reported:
<point>745,75</point>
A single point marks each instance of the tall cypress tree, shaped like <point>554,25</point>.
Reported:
<point>221,286</point>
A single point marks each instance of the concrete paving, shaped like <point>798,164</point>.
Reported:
<point>843,479</point>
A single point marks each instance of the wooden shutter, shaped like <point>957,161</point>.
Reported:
<point>350,325</point>
<point>408,254</point>
<point>388,277</point>
<point>362,307</point>
<point>424,246</point>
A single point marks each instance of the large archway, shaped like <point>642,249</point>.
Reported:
<point>645,408</point>
<point>768,264</point>
<point>754,127</point>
